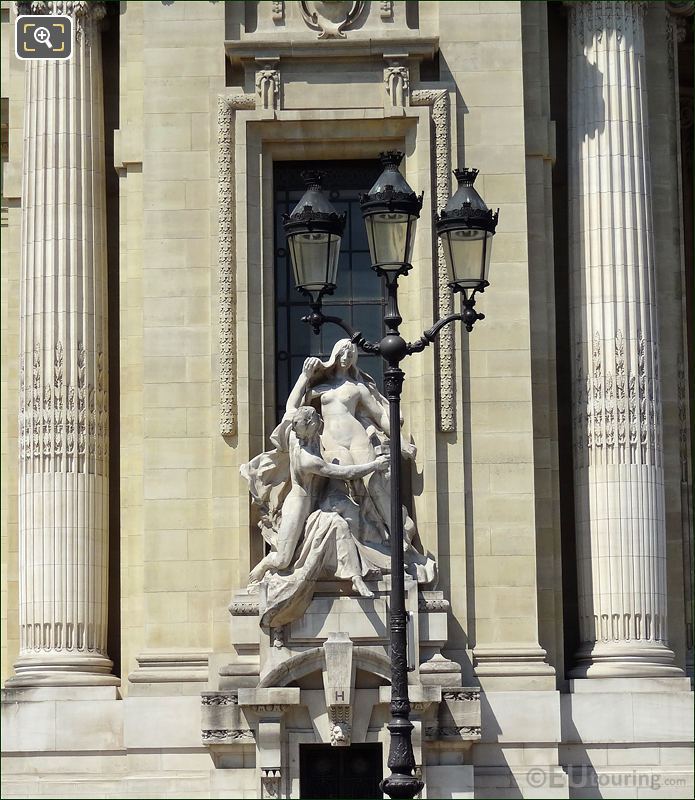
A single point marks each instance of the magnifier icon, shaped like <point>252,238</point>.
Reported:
<point>43,36</point>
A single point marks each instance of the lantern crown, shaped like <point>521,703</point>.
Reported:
<point>466,206</point>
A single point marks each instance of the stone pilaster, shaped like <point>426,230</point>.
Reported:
<point>618,470</point>
<point>63,417</point>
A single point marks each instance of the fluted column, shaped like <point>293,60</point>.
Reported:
<point>63,424</point>
<point>618,472</point>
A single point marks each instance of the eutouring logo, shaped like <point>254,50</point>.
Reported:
<point>41,36</point>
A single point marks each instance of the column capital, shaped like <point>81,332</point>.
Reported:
<point>598,16</point>
<point>83,12</point>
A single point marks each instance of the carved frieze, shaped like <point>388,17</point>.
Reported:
<point>224,736</point>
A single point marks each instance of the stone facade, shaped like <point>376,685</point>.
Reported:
<point>553,483</point>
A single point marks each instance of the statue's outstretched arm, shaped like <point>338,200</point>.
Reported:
<point>318,466</point>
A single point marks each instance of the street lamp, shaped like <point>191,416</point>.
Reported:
<point>391,210</point>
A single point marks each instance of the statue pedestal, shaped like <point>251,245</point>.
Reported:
<point>324,679</point>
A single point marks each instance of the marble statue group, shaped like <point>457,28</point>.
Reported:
<point>324,490</point>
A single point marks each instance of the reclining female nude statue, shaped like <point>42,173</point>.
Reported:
<point>324,490</point>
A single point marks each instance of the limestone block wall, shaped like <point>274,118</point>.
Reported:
<point>128,158</point>
<point>175,567</point>
<point>481,53</point>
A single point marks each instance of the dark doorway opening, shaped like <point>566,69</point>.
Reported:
<point>340,772</point>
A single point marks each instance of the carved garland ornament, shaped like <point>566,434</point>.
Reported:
<point>227,263</point>
<point>618,415</point>
<point>438,99</point>
<point>62,423</point>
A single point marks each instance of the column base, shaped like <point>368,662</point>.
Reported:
<point>625,660</point>
<point>63,669</point>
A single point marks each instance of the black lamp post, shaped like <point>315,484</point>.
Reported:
<point>391,210</point>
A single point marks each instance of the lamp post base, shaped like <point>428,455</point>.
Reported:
<point>401,786</point>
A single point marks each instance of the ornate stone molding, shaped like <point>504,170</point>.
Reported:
<point>438,100</point>
<point>461,695</point>
<point>226,107</point>
<point>226,736</point>
<point>219,698</point>
<point>330,19</point>
<point>238,608</point>
<point>432,605</point>
<point>471,732</point>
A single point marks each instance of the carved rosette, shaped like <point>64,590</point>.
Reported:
<point>618,472</point>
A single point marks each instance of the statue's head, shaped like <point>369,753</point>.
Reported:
<point>344,355</point>
<point>306,422</point>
